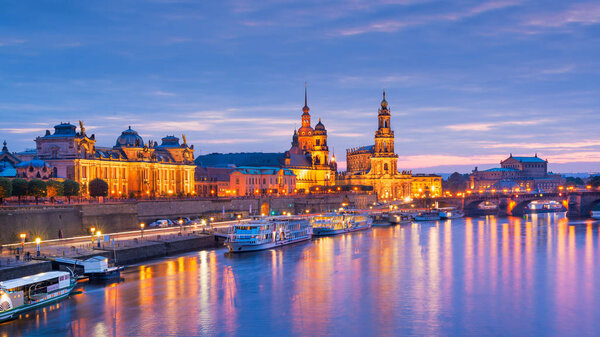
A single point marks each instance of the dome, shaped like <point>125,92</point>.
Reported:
<point>35,162</point>
<point>129,138</point>
<point>320,126</point>
<point>170,141</point>
<point>66,129</point>
<point>384,103</point>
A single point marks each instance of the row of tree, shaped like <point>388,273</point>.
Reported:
<point>37,188</point>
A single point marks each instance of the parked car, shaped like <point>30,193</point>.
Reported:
<point>161,223</point>
<point>186,221</point>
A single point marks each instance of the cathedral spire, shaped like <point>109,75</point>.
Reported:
<point>305,109</point>
<point>383,101</point>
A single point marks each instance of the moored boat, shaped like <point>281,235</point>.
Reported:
<point>450,213</point>
<point>267,233</point>
<point>332,224</point>
<point>30,292</point>
<point>402,219</point>
<point>427,216</point>
<point>596,215</point>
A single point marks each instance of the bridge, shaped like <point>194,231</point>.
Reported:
<point>513,203</point>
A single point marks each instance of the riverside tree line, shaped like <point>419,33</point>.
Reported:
<point>51,189</point>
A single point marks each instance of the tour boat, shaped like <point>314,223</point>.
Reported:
<point>450,213</point>
<point>427,216</point>
<point>267,233</point>
<point>596,214</point>
<point>30,292</point>
<point>549,206</point>
<point>402,219</point>
<point>334,223</point>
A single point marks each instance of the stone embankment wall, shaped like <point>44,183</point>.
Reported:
<point>47,221</point>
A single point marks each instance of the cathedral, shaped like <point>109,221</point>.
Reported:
<point>308,157</point>
<point>376,165</point>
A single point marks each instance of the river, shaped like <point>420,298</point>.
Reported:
<point>537,275</point>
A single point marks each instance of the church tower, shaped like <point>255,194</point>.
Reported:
<point>384,159</point>
<point>305,133</point>
<point>320,153</point>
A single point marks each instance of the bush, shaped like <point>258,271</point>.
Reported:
<point>98,188</point>
<point>70,188</point>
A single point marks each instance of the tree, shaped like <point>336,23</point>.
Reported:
<point>19,188</point>
<point>457,182</point>
<point>98,188</point>
<point>594,181</point>
<point>37,188</point>
<point>573,181</point>
<point>5,189</point>
<point>70,189</point>
<point>54,188</point>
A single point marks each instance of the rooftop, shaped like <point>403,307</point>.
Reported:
<point>252,159</point>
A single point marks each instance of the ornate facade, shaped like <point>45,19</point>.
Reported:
<point>131,167</point>
<point>376,165</point>
<point>517,174</point>
<point>308,157</point>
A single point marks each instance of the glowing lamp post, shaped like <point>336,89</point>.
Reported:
<point>92,233</point>
<point>37,242</point>
<point>99,234</point>
<point>142,225</point>
<point>180,226</point>
<point>23,236</point>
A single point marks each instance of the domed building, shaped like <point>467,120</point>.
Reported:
<point>309,155</point>
<point>131,167</point>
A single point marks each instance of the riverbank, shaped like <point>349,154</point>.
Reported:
<point>53,222</point>
<point>122,253</point>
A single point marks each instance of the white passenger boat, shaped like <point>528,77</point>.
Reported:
<point>596,215</point>
<point>30,292</point>
<point>333,223</point>
<point>267,233</point>
<point>549,206</point>
<point>450,213</point>
<point>427,216</point>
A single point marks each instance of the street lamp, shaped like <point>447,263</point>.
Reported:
<point>98,233</point>
<point>23,236</point>
<point>37,242</point>
<point>180,226</point>
<point>92,233</point>
<point>142,225</point>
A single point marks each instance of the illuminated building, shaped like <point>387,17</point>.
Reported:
<point>517,174</point>
<point>376,165</point>
<point>426,185</point>
<point>130,167</point>
<point>308,157</point>
<point>244,181</point>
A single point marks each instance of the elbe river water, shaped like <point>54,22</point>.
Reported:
<point>537,275</point>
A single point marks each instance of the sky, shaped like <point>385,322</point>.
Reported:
<point>468,82</point>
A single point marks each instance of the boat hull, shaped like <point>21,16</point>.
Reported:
<point>323,231</point>
<point>241,247</point>
<point>12,313</point>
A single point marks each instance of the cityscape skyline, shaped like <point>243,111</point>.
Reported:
<point>468,83</point>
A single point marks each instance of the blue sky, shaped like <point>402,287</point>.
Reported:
<point>467,81</point>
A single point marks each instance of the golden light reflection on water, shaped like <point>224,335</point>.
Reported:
<point>531,275</point>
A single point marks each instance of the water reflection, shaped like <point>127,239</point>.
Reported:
<point>534,275</point>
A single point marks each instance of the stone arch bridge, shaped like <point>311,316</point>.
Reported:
<point>507,204</point>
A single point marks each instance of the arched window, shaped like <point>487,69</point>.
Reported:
<point>385,167</point>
